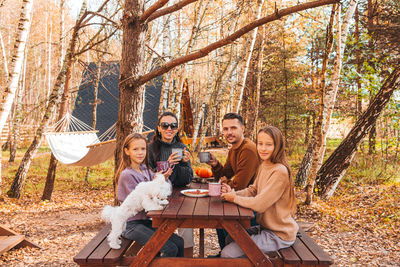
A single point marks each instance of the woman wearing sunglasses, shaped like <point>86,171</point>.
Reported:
<point>164,141</point>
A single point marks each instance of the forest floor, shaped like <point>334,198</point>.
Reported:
<point>358,226</point>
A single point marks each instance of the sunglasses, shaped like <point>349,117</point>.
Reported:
<point>165,125</point>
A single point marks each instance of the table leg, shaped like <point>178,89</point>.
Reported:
<point>201,243</point>
<point>153,246</point>
<point>242,238</point>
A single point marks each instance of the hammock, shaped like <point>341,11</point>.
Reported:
<point>74,143</point>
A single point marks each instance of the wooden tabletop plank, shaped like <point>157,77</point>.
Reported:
<point>202,207</point>
<point>216,208</point>
<point>187,208</point>
<point>175,203</point>
<point>231,210</point>
<point>245,213</point>
<point>318,252</point>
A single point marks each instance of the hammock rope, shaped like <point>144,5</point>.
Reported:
<point>73,142</point>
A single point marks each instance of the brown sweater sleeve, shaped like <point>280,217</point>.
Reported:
<point>226,170</point>
<point>270,193</point>
<point>245,170</point>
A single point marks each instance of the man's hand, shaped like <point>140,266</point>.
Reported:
<point>223,180</point>
<point>228,196</point>
<point>213,161</point>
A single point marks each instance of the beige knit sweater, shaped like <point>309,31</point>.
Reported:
<point>269,197</point>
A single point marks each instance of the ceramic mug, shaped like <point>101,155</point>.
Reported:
<point>204,157</point>
<point>179,152</point>
<point>163,166</point>
<point>214,189</point>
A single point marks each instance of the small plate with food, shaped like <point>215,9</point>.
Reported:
<point>195,192</point>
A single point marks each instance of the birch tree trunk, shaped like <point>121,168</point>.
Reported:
<point>51,171</point>
<point>3,52</point>
<point>17,114</point>
<point>309,157</point>
<point>20,176</point>
<point>330,97</point>
<point>246,69</point>
<point>335,167</point>
<point>199,118</point>
<point>21,37</point>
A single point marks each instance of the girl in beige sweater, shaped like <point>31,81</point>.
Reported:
<point>271,196</point>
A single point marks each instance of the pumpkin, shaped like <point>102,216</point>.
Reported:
<point>203,172</point>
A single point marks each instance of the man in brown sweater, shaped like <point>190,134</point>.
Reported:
<point>242,162</point>
<point>241,165</point>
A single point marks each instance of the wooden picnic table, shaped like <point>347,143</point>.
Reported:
<point>201,212</point>
<point>204,212</point>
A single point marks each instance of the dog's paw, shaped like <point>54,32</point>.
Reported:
<point>114,245</point>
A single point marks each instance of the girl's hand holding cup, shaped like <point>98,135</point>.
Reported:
<point>226,188</point>
<point>174,158</point>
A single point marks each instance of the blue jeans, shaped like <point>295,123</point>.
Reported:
<point>141,231</point>
<point>222,233</point>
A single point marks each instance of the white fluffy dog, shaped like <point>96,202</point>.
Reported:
<point>146,196</point>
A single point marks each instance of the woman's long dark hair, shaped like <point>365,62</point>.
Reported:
<point>279,156</point>
<point>156,140</point>
<point>125,159</point>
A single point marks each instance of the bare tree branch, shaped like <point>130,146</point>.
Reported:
<point>88,47</point>
<point>104,17</point>
<point>169,9</point>
<point>229,39</point>
<point>147,13</point>
<point>98,10</point>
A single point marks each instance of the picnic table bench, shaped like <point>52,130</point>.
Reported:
<point>304,252</point>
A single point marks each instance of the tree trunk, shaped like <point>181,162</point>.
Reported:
<point>3,52</point>
<point>21,37</point>
<point>246,69</point>
<point>336,165</point>
<point>331,93</point>
<point>51,171</point>
<point>94,110</point>
<point>131,96</point>
<point>370,26</point>
<point>22,171</point>
<point>321,92</point>
<point>199,118</point>
<point>17,115</point>
<point>305,166</point>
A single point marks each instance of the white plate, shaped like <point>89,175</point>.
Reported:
<point>192,192</point>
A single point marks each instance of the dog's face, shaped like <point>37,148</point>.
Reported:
<point>159,176</point>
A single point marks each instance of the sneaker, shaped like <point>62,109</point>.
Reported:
<point>215,256</point>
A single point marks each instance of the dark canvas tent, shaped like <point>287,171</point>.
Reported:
<point>108,95</point>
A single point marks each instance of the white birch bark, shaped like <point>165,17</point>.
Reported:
<point>21,36</point>
<point>61,37</point>
<point>246,69</point>
<point>197,124</point>
<point>3,52</point>
<point>330,95</point>
<point>16,61</point>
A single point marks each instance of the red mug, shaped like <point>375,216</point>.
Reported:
<point>163,166</point>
